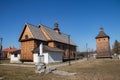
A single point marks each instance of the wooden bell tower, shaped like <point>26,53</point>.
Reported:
<point>103,45</point>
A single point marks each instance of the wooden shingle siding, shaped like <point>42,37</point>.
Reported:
<point>27,32</point>
<point>26,50</point>
<point>103,46</point>
<point>51,44</point>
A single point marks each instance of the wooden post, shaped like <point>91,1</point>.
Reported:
<point>1,49</point>
<point>69,48</point>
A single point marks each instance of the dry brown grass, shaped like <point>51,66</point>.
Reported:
<point>107,69</point>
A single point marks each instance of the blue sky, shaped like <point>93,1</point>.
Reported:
<point>81,19</point>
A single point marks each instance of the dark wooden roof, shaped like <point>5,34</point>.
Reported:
<point>101,34</point>
<point>47,49</point>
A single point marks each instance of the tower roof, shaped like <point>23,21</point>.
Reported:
<point>101,34</point>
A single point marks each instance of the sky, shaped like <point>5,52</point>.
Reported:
<point>81,19</point>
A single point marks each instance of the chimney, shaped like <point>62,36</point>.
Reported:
<point>56,29</point>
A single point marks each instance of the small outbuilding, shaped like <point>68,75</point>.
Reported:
<point>15,57</point>
<point>47,54</point>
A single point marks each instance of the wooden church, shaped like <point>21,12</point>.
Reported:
<point>32,36</point>
<point>103,45</point>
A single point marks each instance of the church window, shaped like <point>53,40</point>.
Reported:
<point>26,36</point>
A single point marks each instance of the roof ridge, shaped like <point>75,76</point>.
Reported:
<point>30,24</point>
<point>47,27</point>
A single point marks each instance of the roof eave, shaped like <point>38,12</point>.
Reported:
<point>22,32</point>
<point>61,42</point>
<point>102,37</point>
<point>30,39</point>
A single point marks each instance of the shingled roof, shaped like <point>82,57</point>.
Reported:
<point>101,34</point>
<point>10,49</point>
<point>47,49</point>
<point>36,32</point>
<point>39,35</point>
<point>59,37</point>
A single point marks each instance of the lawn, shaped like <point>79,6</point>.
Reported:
<point>106,69</point>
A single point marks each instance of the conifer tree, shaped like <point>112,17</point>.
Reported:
<point>116,47</point>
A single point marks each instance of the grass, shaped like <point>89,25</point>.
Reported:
<point>22,73</point>
<point>106,69</point>
<point>96,70</point>
<point>4,60</point>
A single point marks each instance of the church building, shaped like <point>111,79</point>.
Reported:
<point>103,45</point>
<point>32,36</point>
